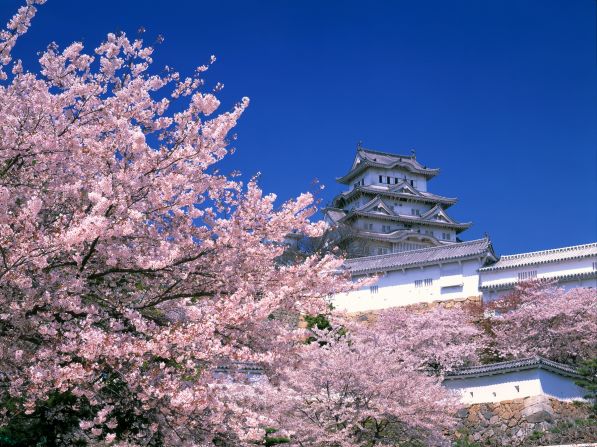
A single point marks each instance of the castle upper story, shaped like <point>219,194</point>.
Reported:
<point>387,207</point>
<point>382,169</point>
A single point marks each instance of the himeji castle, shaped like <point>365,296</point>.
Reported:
<point>393,227</point>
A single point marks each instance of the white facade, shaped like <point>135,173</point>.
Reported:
<point>508,383</point>
<point>410,243</point>
<point>574,266</point>
<point>388,207</point>
<point>448,281</point>
<point>371,177</point>
<point>467,270</point>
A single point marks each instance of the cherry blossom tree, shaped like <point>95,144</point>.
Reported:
<point>539,319</point>
<point>360,389</point>
<point>376,382</point>
<point>438,339</point>
<point>129,266</point>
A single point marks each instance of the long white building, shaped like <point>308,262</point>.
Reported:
<point>393,228</point>
<point>574,266</point>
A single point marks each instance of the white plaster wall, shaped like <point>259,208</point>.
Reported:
<point>492,295</point>
<point>405,208</point>
<point>566,267</point>
<point>500,387</point>
<point>559,387</point>
<point>546,271</point>
<point>496,388</point>
<point>371,177</point>
<point>397,288</point>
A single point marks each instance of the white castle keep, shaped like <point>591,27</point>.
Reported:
<point>392,227</point>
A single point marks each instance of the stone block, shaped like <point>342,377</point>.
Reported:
<point>537,409</point>
<point>462,413</point>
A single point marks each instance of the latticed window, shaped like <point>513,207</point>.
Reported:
<point>525,276</point>
<point>427,282</point>
<point>373,289</point>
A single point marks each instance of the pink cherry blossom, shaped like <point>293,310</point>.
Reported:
<point>539,319</point>
<point>130,267</point>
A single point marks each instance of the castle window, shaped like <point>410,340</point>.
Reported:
<point>427,282</point>
<point>381,179</point>
<point>415,212</point>
<point>446,236</point>
<point>524,276</point>
<point>373,290</point>
<point>594,265</point>
<point>395,180</point>
<point>412,183</point>
<point>388,180</point>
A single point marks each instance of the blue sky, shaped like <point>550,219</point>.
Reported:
<point>499,94</point>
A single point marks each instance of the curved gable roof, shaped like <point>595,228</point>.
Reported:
<point>365,158</point>
<point>438,213</point>
<point>374,205</point>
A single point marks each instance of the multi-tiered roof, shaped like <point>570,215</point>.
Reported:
<point>388,208</point>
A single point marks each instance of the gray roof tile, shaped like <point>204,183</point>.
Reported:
<point>513,365</point>
<point>396,261</point>
<point>545,256</point>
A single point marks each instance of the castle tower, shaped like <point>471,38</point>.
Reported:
<point>387,208</point>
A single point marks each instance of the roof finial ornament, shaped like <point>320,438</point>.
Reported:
<point>359,144</point>
<point>413,153</point>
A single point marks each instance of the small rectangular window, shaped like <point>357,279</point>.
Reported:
<point>373,289</point>
<point>381,179</point>
<point>451,289</point>
<point>525,276</point>
<point>395,180</point>
<point>427,282</point>
<point>388,180</point>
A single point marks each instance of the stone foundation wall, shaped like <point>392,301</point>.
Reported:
<point>371,315</point>
<point>517,422</point>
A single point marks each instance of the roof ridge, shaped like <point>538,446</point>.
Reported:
<point>418,250</point>
<point>374,151</point>
<point>527,361</point>
<point>424,194</point>
<point>550,250</point>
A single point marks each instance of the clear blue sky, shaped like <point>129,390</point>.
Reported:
<point>499,94</point>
